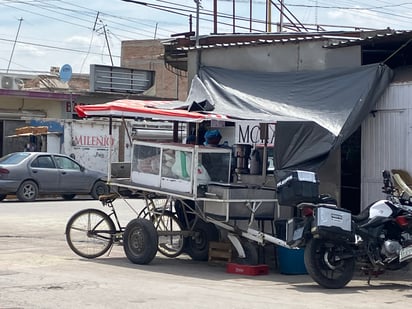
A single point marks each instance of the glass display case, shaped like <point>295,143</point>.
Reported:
<point>179,167</point>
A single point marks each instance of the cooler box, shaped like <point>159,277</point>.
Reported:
<point>291,261</point>
<point>296,187</point>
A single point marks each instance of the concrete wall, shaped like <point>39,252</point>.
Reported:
<point>306,55</point>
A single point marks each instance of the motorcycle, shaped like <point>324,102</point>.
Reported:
<point>335,242</point>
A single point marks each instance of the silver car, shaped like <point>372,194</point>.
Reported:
<point>29,174</point>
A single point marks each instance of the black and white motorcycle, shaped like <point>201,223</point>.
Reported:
<point>336,242</point>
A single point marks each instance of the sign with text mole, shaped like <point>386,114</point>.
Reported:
<point>249,133</point>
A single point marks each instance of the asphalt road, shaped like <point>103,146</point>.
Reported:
<point>38,270</point>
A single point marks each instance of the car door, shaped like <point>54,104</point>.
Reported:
<point>45,173</point>
<point>72,178</point>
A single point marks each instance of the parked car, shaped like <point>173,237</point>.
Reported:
<point>30,174</point>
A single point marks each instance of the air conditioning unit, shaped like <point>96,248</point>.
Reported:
<point>11,82</point>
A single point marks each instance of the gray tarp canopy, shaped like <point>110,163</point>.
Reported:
<point>314,111</point>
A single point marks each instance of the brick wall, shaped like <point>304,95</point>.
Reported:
<point>148,55</point>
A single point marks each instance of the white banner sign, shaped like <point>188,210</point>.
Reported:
<point>249,133</point>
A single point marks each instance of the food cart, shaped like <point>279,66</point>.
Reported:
<point>194,194</point>
<point>196,202</point>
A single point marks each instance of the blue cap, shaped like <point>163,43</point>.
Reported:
<point>212,137</point>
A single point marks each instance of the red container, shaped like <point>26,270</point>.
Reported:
<point>250,270</point>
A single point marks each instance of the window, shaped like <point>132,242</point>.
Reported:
<point>43,162</point>
<point>14,158</point>
<point>66,163</point>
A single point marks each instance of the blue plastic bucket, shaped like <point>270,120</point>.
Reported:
<point>291,261</point>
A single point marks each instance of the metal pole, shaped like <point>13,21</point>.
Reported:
<point>14,45</point>
<point>215,16</point>
<point>281,16</point>
<point>197,36</point>
<point>234,17</point>
<point>108,45</point>
<point>197,22</point>
<point>250,16</point>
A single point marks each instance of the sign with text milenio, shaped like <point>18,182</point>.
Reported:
<point>249,133</point>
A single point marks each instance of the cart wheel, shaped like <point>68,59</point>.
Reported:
<point>140,241</point>
<point>251,253</point>
<point>198,245</point>
<point>169,230</point>
<point>89,233</point>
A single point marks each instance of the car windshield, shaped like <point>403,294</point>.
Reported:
<point>14,158</point>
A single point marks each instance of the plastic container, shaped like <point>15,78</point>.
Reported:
<point>250,270</point>
<point>291,261</point>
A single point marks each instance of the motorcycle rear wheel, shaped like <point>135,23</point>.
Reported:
<point>330,263</point>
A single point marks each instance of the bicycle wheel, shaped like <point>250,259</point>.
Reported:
<point>169,229</point>
<point>89,233</point>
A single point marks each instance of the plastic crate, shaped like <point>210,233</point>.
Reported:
<point>250,270</point>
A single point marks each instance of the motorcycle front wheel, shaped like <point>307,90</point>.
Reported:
<point>330,263</point>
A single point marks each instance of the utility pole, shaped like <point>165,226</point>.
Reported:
<point>108,45</point>
<point>14,45</point>
<point>105,34</point>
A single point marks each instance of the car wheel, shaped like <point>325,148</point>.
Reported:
<point>2,197</point>
<point>99,188</point>
<point>27,191</point>
<point>68,197</point>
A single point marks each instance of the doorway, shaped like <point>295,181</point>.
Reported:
<point>351,172</point>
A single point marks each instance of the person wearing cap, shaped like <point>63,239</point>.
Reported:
<point>212,138</point>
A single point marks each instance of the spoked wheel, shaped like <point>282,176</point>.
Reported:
<point>197,246</point>
<point>155,205</point>
<point>27,191</point>
<point>169,230</point>
<point>140,241</point>
<point>89,233</point>
<point>331,264</point>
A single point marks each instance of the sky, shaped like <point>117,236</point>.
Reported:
<point>36,35</point>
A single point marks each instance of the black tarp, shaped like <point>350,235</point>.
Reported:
<point>314,111</point>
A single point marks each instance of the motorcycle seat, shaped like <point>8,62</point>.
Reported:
<point>402,185</point>
<point>363,216</point>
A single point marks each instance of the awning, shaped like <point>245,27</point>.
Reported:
<point>144,109</point>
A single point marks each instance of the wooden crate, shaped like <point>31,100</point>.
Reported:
<point>220,252</point>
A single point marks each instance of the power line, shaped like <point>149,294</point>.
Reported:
<point>55,47</point>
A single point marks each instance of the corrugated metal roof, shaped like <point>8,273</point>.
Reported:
<point>332,39</point>
<point>254,42</point>
<point>376,38</point>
